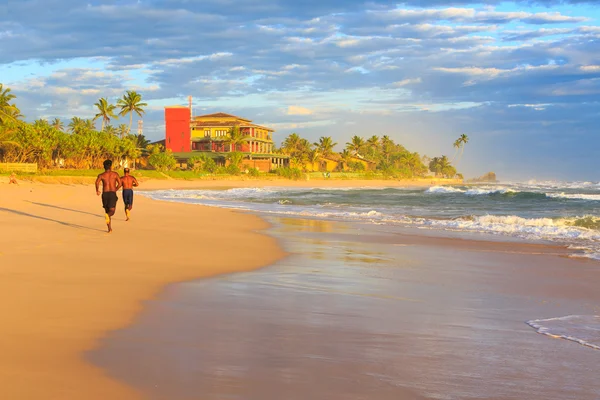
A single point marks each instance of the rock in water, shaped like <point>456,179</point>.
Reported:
<point>489,177</point>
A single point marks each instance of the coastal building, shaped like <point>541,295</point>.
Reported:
<point>211,134</point>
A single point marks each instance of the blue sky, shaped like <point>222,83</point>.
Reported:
<point>522,79</point>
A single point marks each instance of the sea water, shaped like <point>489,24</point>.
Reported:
<point>567,213</point>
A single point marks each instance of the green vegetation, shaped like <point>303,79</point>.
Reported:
<point>77,148</point>
<point>82,146</point>
<point>387,158</point>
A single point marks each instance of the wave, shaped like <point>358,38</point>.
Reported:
<point>444,189</point>
<point>511,192</point>
<point>558,184</point>
<point>582,329</point>
<point>401,207</point>
<point>575,196</point>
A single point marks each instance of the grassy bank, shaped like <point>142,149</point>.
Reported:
<point>72,176</point>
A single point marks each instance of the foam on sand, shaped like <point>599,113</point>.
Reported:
<point>582,329</point>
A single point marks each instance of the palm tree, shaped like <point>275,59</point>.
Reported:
<point>236,137</point>
<point>40,123</point>
<point>460,143</point>
<point>325,145</point>
<point>373,142</point>
<point>76,125</point>
<point>8,111</point>
<point>464,139</point>
<point>106,111</point>
<point>122,130</point>
<point>111,130</point>
<point>355,145</point>
<point>141,142</point>
<point>5,96</point>
<point>131,103</point>
<point>57,124</point>
<point>89,124</point>
<point>345,157</point>
<point>457,144</point>
<point>291,144</point>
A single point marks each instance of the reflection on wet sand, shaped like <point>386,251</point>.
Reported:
<point>350,315</point>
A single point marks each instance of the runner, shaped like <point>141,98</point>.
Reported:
<point>111,182</point>
<point>128,182</point>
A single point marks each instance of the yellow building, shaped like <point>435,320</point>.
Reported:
<point>210,133</point>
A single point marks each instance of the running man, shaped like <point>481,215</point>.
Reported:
<point>111,182</point>
<point>128,182</point>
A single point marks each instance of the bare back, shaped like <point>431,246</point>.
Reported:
<point>111,181</point>
<point>128,182</point>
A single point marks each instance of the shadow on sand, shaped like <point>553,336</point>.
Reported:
<point>8,210</point>
<point>65,209</point>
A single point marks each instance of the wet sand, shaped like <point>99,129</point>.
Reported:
<point>360,313</point>
<point>64,282</point>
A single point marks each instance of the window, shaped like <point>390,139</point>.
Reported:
<point>207,133</point>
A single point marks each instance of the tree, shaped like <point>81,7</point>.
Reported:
<point>106,111</point>
<point>235,158</point>
<point>162,160</point>
<point>460,143</point>
<point>345,157</point>
<point>441,166</point>
<point>373,142</point>
<point>89,124</point>
<point>111,130</point>
<point>76,125</point>
<point>325,145</point>
<point>236,137</point>
<point>131,103</point>
<point>40,123</point>
<point>57,124</point>
<point>291,144</point>
<point>8,112</point>
<point>122,130</point>
<point>355,145</point>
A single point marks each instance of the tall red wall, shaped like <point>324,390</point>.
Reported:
<point>177,127</point>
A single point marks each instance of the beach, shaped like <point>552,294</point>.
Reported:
<point>66,283</point>
<point>342,309</point>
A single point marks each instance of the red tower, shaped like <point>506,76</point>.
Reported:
<point>177,127</point>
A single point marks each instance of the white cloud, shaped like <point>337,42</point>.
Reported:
<point>406,82</point>
<point>297,110</point>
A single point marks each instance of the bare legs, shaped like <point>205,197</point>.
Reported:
<point>128,208</point>
<point>109,213</point>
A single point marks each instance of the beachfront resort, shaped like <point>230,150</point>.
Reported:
<point>217,134</point>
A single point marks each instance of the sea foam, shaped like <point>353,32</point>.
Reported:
<point>582,329</point>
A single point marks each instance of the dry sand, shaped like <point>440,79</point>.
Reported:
<point>65,282</point>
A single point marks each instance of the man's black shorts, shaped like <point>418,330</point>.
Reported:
<point>128,197</point>
<point>109,200</point>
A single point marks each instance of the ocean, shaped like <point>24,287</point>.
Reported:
<point>566,213</point>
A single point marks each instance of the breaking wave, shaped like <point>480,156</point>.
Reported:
<point>512,210</point>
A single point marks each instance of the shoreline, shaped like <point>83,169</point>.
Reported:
<point>349,314</point>
<point>66,283</point>
<point>240,181</point>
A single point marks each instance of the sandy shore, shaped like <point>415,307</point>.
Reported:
<point>65,283</point>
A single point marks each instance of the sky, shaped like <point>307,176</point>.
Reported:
<point>520,78</point>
